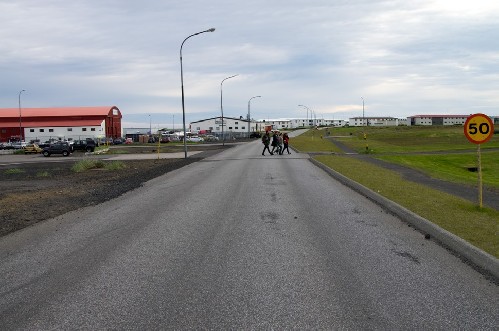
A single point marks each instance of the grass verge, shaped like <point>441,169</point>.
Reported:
<point>458,216</point>
<point>313,141</point>
<point>459,168</point>
<point>14,171</point>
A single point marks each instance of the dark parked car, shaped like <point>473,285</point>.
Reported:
<point>255,135</point>
<point>57,148</point>
<point>84,145</point>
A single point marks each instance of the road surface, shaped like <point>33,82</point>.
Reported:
<point>238,241</point>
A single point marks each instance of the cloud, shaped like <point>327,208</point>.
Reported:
<point>402,57</point>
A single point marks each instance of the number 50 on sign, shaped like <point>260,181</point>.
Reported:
<point>478,128</point>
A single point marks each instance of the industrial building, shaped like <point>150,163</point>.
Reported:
<point>61,123</point>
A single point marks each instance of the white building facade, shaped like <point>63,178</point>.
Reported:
<point>437,119</point>
<point>232,127</point>
<point>375,121</point>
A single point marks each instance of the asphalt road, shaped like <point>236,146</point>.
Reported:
<point>238,241</point>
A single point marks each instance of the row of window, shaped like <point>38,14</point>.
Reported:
<point>218,128</point>
<point>52,130</point>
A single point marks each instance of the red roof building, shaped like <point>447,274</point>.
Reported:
<point>62,123</point>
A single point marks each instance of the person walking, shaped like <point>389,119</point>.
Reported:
<point>274,142</point>
<point>266,142</point>
<point>279,143</point>
<point>285,140</point>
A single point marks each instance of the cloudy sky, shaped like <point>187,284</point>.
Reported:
<point>402,57</point>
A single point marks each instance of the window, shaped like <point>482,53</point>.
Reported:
<point>31,130</point>
<point>243,127</point>
<point>218,128</point>
<point>42,130</point>
<point>230,127</point>
<point>198,128</point>
<point>210,128</point>
<point>70,129</point>
<point>236,128</point>
<point>92,129</point>
<point>83,129</point>
<point>236,123</point>
<point>51,130</point>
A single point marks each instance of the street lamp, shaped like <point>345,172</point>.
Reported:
<point>307,111</point>
<point>249,113</point>
<point>182,83</point>
<point>222,108</point>
<point>363,118</point>
<point>150,126</point>
<point>20,117</point>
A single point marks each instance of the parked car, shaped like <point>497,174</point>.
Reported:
<point>210,137</point>
<point>255,135</point>
<point>32,148</point>
<point>195,139</point>
<point>87,145</point>
<point>19,144</point>
<point>57,148</point>
<point>6,146</point>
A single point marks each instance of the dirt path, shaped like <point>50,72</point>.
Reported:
<point>468,192</point>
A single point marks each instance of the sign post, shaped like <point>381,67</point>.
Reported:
<point>479,128</point>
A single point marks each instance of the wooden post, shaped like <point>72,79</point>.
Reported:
<point>480,183</point>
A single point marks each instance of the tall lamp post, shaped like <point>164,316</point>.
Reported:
<point>222,108</point>
<point>20,117</point>
<point>150,125</point>
<point>363,118</point>
<point>249,113</point>
<point>307,112</point>
<point>182,83</point>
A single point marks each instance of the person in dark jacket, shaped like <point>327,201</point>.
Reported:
<point>266,142</point>
<point>285,140</point>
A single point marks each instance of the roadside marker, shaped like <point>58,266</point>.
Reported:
<point>479,128</point>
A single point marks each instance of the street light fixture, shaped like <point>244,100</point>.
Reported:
<point>307,112</point>
<point>20,117</point>
<point>182,83</point>
<point>249,113</point>
<point>222,108</point>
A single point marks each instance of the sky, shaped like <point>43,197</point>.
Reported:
<point>336,58</point>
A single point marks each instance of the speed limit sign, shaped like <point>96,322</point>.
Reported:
<point>478,128</point>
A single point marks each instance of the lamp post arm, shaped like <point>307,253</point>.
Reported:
<point>182,83</point>
<point>221,105</point>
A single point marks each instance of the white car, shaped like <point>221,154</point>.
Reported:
<point>195,139</point>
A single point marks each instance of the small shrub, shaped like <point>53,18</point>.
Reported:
<point>115,165</point>
<point>43,174</point>
<point>88,164</point>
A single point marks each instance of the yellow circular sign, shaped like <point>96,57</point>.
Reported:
<point>478,128</point>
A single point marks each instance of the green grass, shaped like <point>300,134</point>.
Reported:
<point>88,164</point>
<point>313,141</point>
<point>403,139</point>
<point>456,215</point>
<point>43,174</point>
<point>453,167</point>
<point>14,171</point>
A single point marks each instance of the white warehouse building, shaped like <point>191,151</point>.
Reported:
<point>232,127</point>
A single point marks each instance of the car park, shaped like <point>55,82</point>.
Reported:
<point>32,149</point>
<point>57,148</point>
